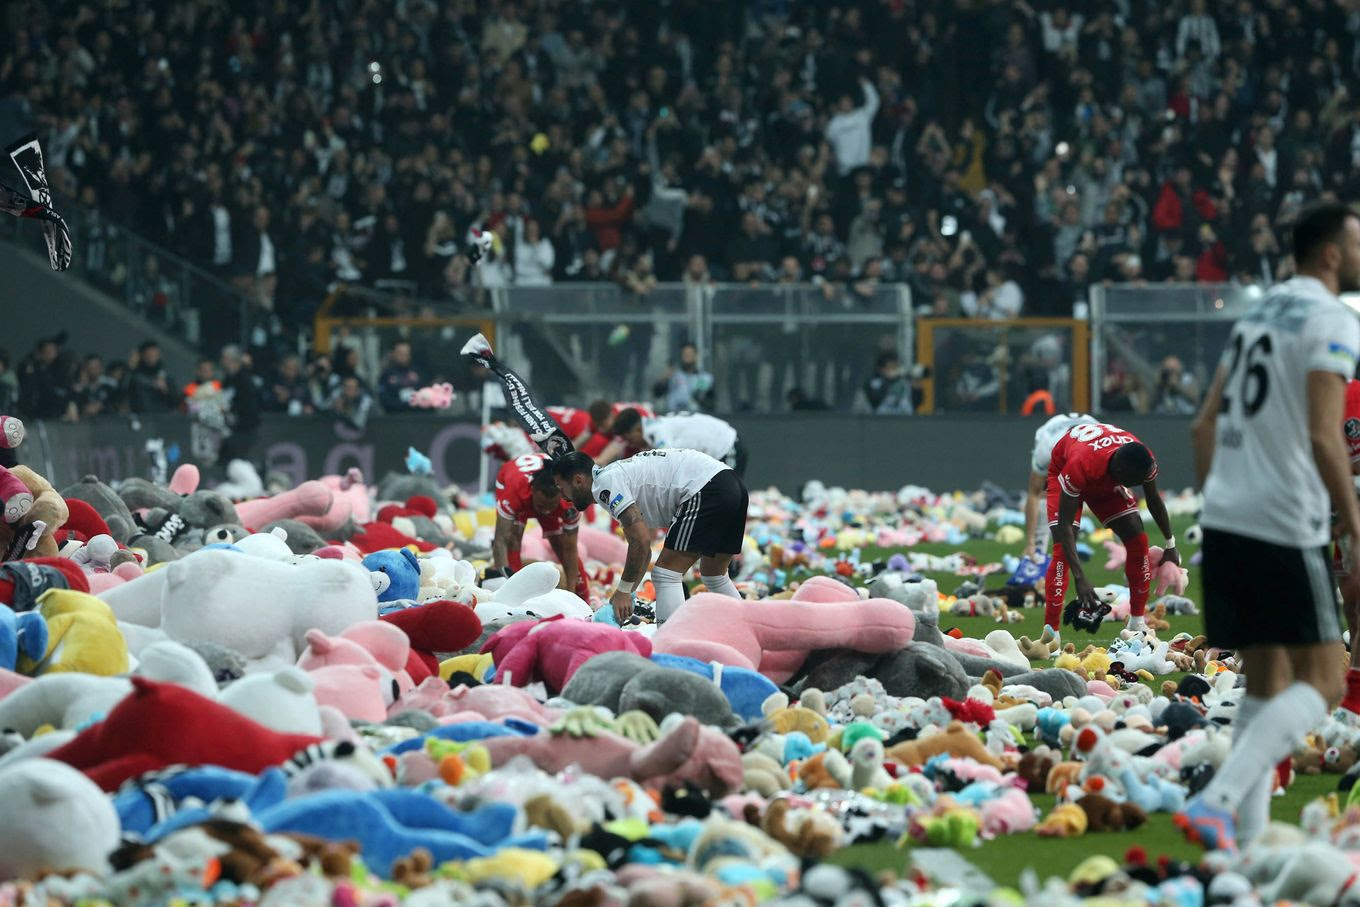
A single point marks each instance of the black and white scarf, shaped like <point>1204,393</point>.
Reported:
<point>37,202</point>
<point>542,428</point>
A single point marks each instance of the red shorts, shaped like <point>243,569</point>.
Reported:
<point>1105,505</point>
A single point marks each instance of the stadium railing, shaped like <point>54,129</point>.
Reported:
<point>1136,329</point>
<point>1013,366</point>
<point>585,340</point>
<point>165,288</point>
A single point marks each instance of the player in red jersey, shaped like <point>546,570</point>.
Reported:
<point>525,490</point>
<point>605,446</point>
<point>1095,465</point>
<point>1350,427</point>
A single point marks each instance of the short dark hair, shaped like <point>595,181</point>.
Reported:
<point>886,359</point>
<point>600,411</point>
<point>573,464</point>
<point>627,420</point>
<point>543,481</point>
<point>1132,458</point>
<point>1317,226</point>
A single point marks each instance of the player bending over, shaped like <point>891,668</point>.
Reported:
<point>696,431</point>
<point>701,500</point>
<point>1036,533</point>
<point>525,490</point>
<point>1095,465</point>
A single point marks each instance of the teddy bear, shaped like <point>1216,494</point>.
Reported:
<point>34,533</point>
<point>53,819</point>
<point>955,740</point>
<point>809,833</point>
<point>1104,814</point>
<point>395,573</point>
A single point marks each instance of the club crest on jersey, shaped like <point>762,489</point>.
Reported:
<point>604,498</point>
<point>1353,429</point>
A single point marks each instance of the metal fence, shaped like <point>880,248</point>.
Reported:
<point>158,285</point>
<point>589,340</point>
<point>1154,347</point>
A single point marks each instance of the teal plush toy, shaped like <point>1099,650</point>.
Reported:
<point>21,634</point>
<point>396,574</point>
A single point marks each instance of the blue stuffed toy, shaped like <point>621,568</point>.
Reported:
<point>396,574</point>
<point>746,690</point>
<point>21,634</point>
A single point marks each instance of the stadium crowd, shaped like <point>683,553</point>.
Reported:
<point>998,155</point>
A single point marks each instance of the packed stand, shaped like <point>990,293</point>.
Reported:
<point>999,157</point>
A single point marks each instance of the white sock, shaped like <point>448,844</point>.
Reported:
<point>1254,812</point>
<point>1136,622</point>
<point>722,585</point>
<point>670,592</point>
<point>1279,726</point>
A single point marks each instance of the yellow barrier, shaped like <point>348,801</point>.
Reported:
<point>1001,336</point>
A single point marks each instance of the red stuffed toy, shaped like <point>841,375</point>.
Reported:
<point>970,711</point>
<point>163,724</point>
<point>441,626</point>
<point>379,536</point>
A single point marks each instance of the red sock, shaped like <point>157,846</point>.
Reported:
<point>514,560</point>
<point>1351,701</point>
<point>582,585</point>
<point>1055,588</point>
<point>1138,572</point>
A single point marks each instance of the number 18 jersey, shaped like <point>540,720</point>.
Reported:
<point>1263,482</point>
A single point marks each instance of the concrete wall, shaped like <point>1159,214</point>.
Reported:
<point>877,453</point>
<point>40,302</point>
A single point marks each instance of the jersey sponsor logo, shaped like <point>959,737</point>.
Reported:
<point>1353,429</point>
<point>618,499</point>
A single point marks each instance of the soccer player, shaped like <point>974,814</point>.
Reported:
<point>605,446</point>
<point>696,431</point>
<point>701,500</point>
<point>1095,465</point>
<point>1036,533</point>
<point>525,490</point>
<point>1269,457</point>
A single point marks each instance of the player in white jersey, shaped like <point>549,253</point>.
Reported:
<point>695,431</point>
<point>1036,530</point>
<point>702,501</point>
<point>1269,456</point>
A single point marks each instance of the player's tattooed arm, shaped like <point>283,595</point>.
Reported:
<point>639,536</point>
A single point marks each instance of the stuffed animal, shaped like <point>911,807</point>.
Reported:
<point>624,681</point>
<point>1067,820</point>
<point>33,533</point>
<point>775,638</point>
<point>82,636</point>
<point>955,740</point>
<point>53,819</point>
<point>396,574</point>
<point>533,592</point>
<point>688,751</point>
<point>106,503</point>
<point>1104,814</point>
<point>310,499</point>
<point>258,608</point>
<point>809,834</point>
<point>21,634</point>
<point>553,649</point>
<point>351,487</point>
<point>15,498</point>
<point>432,628</point>
<point>160,724</point>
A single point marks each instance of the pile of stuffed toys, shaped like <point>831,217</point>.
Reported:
<point>306,695</point>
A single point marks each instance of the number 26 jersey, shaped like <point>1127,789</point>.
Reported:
<point>1263,481</point>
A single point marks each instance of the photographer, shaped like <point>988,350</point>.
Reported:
<point>889,392</point>
<point>1177,392</point>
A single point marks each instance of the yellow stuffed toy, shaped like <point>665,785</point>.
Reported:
<point>475,664</point>
<point>83,636</point>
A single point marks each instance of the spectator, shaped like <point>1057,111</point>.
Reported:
<point>534,256</point>
<point>1177,391</point>
<point>286,391</point>
<point>44,389</point>
<point>322,383</point>
<point>150,388</point>
<point>752,254</point>
<point>243,406</point>
<point>1000,298</point>
<point>1198,29</point>
<point>352,402</point>
<point>850,130</point>
<point>888,391</point>
<point>91,390</point>
<point>399,380</point>
<point>687,387</point>
<point>205,378</point>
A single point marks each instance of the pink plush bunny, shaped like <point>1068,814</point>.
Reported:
<point>436,396</point>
